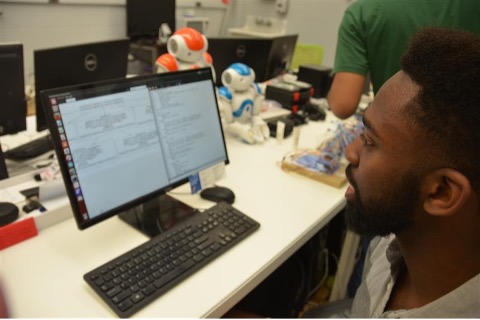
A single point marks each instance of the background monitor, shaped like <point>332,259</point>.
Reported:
<point>122,142</point>
<point>3,166</point>
<point>144,18</point>
<point>268,57</point>
<point>65,66</point>
<point>13,106</point>
<point>198,23</point>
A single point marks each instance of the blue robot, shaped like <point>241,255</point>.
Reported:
<point>240,102</point>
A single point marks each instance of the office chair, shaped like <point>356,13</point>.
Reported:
<point>306,54</point>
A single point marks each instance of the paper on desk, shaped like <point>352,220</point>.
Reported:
<point>12,194</point>
<point>212,174</point>
<point>206,177</point>
<point>9,195</point>
<point>52,194</point>
<point>51,190</point>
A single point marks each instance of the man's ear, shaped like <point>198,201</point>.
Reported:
<point>445,191</point>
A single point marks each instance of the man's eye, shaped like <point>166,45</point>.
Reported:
<point>366,142</point>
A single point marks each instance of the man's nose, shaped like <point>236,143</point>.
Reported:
<point>351,153</point>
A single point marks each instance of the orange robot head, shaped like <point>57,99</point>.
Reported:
<point>187,44</point>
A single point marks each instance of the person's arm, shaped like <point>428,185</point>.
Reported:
<point>351,62</point>
<point>345,93</point>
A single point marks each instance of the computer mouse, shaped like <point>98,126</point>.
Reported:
<point>218,194</point>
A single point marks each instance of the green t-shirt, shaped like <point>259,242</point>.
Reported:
<point>374,33</point>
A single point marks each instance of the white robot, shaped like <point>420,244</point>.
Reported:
<point>240,103</point>
<point>187,49</point>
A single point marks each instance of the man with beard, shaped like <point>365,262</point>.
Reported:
<point>415,184</point>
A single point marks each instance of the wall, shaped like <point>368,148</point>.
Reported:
<point>315,21</point>
<point>42,25</point>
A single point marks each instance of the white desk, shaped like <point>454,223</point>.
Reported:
<point>42,276</point>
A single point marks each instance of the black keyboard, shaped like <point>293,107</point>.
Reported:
<point>133,280</point>
<point>31,149</point>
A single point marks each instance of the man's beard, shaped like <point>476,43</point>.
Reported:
<point>389,212</point>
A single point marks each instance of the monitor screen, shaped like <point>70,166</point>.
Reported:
<point>268,57</point>
<point>122,142</point>
<point>144,18</point>
<point>13,105</point>
<point>70,65</point>
<point>197,23</point>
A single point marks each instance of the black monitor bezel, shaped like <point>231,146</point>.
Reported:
<point>3,165</point>
<point>81,224</point>
<point>261,54</point>
<point>13,116</point>
<point>281,55</point>
<point>41,57</point>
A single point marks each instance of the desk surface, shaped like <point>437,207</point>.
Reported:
<point>42,276</point>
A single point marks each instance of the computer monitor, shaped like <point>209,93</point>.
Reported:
<point>3,166</point>
<point>120,143</point>
<point>198,23</point>
<point>13,105</point>
<point>70,65</point>
<point>144,18</point>
<point>268,57</point>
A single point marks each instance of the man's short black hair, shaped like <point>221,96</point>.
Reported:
<point>445,63</point>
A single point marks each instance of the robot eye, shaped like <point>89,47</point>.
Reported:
<point>228,78</point>
<point>174,46</point>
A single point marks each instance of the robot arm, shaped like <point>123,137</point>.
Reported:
<point>249,133</point>
<point>166,63</point>
<point>258,99</point>
<point>225,105</point>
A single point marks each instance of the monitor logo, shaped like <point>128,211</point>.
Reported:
<point>241,51</point>
<point>91,62</point>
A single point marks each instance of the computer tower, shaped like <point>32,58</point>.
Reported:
<point>290,96</point>
<point>320,77</point>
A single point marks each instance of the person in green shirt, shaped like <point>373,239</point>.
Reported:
<point>373,36</point>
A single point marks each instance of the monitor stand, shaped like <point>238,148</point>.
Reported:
<point>157,215</point>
